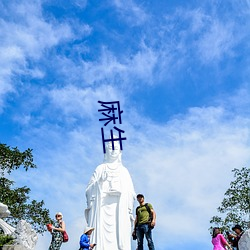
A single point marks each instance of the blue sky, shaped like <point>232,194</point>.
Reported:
<point>180,70</point>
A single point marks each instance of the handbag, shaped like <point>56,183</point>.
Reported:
<point>65,236</point>
<point>49,227</point>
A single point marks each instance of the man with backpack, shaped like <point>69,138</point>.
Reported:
<point>144,223</point>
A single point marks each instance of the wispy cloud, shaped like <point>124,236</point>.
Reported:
<point>23,38</point>
<point>217,42</point>
<point>56,69</point>
<point>203,34</point>
<point>106,68</point>
<point>120,70</point>
<point>190,158</point>
<point>182,162</point>
<point>81,102</point>
<point>131,12</point>
<point>80,3</point>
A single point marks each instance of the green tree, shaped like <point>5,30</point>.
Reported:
<point>235,207</point>
<point>17,199</point>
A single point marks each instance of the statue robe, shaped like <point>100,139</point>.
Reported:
<point>244,242</point>
<point>110,197</point>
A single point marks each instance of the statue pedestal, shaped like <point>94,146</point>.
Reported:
<point>13,247</point>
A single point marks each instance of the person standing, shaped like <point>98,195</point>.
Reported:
<point>239,231</point>
<point>143,225</point>
<point>85,239</point>
<point>218,240</point>
<point>56,231</point>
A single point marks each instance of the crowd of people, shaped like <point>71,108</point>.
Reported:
<point>144,223</point>
<point>219,241</point>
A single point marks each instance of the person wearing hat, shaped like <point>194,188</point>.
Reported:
<point>239,231</point>
<point>56,231</point>
<point>84,240</point>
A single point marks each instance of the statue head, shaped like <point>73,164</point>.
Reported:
<point>4,212</point>
<point>113,155</point>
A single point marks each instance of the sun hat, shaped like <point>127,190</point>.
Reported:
<point>59,213</point>
<point>87,229</point>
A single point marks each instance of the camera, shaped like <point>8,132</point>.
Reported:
<point>134,235</point>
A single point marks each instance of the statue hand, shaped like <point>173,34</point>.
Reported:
<point>104,176</point>
<point>132,218</point>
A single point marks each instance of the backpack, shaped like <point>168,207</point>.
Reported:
<point>149,212</point>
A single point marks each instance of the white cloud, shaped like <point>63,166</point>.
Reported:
<point>240,100</point>
<point>82,102</point>
<point>122,71</point>
<point>185,168</point>
<point>191,34</point>
<point>25,35</point>
<point>143,63</point>
<point>80,3</point>
<point>182,167</point>
<point>217,42</point>
<point>10,58</point>
<point>105,69</point>
<point>131,12</point>
<point>31,33</point>
<point>198,19</point>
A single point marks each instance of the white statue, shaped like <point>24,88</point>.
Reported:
<point>110,197</point>
<point>4,212</point>
<point>244,242</point>
<point>25,235</point>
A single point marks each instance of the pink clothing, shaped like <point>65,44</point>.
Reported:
<point>219,242</point>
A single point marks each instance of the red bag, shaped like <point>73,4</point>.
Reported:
<point>49,227</point>
<point>65,236</point>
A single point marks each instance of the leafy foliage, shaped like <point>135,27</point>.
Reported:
<point>236,204</point>
<point>6,240</point>
<point>11,159</point>
<point>17,199</point>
